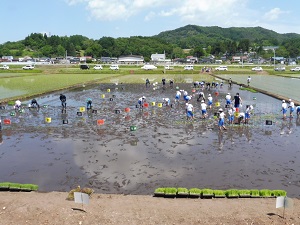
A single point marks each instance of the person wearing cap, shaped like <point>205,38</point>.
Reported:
<point>34,103</point>
<point>210,100</point>
<point>189,108</point>
<point>284,109</point>
<point>188,98</point>
<point>17,105</point>
<point>231,112</point>
<point>203,109</point>
<point>63,100</point>
<point>291,107</point>
<point>177,96</point>
<point>201,97</point>
<point>141,101</point>
<point>166,101</point>
<point>221,122</point>
<point>228,99</point>
<point>247,113</point>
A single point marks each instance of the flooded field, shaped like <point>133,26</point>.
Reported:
<point>134,152</point>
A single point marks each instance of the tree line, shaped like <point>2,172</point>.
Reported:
<point>186,41</point>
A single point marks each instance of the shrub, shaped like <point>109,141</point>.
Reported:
<point>88,191</point>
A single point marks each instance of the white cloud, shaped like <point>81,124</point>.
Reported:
<point>274,14</point>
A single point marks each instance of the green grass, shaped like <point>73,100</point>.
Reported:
<point>159,191</point>
<point>248,89</point>
<point>4,184</point>
<point>278,193</point>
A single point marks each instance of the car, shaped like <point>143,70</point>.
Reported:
<point>168,67</point>
<point>4,67</point>
<point>280,68</point>
<point>257,68</point>
<point>295,69</point>
<point>114,67</point>
<point>28,67</point>
<point>222,68</point>
<point>98,67</point>
<point>84,67</point>
<point>189,67</point>
<point>148,67</point>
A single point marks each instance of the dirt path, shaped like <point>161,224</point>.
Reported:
<point>52,208</point>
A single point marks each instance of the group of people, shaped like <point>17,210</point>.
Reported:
<point>291,106</point>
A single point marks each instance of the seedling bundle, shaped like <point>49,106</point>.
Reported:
<point>210,193</point>
<point>8,186</point>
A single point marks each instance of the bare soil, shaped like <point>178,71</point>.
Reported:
<point>53,208</point>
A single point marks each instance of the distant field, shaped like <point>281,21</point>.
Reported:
<point>48,78</point>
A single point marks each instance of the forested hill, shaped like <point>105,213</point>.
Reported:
<point>193,35</point>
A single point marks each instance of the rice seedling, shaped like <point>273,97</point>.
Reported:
<point>182,192</point>
<point>254,193</point>
<point>170,191</point>
<point>232,193</point>
<point>219,193</point>
<point>244,193</point>
<point>265,193</point>
<point>195,192</point>
<point>159,192</point>
<point>207,193</point>
<point>278,193</point>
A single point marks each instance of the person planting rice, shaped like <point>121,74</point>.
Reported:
<point>171,83</point>
<point>237,101</point>
<point>221,122</point>
<point>147,82</point>
<point>141,101</point>
<point>228,99</point>
<point>201,97</point>
<point>63,100</point>
<point>241,118</point>
<point>34,104</point>
<point>210,100</point>
<point>17,105</point>
<point>247,113</point>
<point>89,103</point>
<point>248,80</point>
<point>203,109</point>
<point>189,108</point>
<point>283,109</point>
<point>231,112</point>
<point>291,107</point>
<point>177,96</point>
<point>298,110</point>
<point>166,101</point>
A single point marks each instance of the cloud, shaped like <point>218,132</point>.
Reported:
<point>274,14</point>
<point>188,10</point>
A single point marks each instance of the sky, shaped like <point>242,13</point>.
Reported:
<point>124,18</point>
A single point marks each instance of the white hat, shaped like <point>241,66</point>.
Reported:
<point>163,99</point>
<point>220,110</point>
<point>209,94</point>
<point>202,100</point>
<point>143,97</point>
<point>283,100</point>
<point>228,93</point>
<point>290,100</point>
<point>186,103</point>
<point>251,107</point>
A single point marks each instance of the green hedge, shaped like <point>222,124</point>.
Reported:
<point>230,193</point>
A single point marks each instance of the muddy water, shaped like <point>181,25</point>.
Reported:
<point>165,149</point>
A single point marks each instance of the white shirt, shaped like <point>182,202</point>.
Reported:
<point>203,106</point>
<point>222,115</point>
<point>231,111</point>
<point>189,107</point>
<point>178,93</point>
<point>167,99</point>
<point>284,105</point>
<point>18,103</point>
<point>209,98</point>
<point>292,105</point>
<point>185,93</point>
<point>228,97</point>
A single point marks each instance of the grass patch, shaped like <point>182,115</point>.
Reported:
<point>265,193</point>
<point>88,191</point>
<point>248,89</point>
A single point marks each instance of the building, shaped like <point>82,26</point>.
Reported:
<point>158,57</point>
<point>131,59</point>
